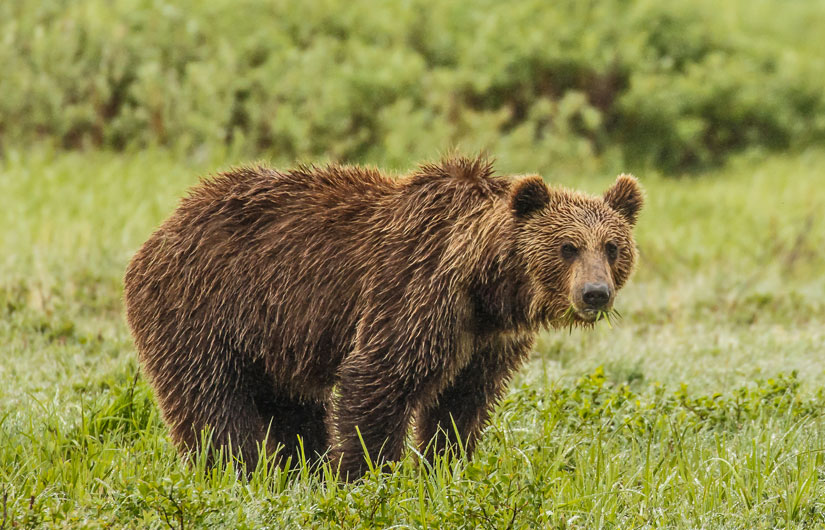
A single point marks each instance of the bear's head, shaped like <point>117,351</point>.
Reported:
<point>578,249</point>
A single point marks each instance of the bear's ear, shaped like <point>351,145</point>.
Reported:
<point>529,195</point>
<point>626,197</point>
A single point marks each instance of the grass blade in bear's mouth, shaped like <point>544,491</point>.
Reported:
<point>611,316</point>
<point>568,318</point>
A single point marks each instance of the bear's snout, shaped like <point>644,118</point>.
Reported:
<point>596,295</point>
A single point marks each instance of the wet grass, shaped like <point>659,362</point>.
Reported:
<point>700,408</point>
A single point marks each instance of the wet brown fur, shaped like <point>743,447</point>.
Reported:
<point>314,301</point>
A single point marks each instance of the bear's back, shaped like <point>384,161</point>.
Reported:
<point>277,264</point>
<point>270,262</point>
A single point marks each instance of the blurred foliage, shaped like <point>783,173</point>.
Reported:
<point>678,86</point>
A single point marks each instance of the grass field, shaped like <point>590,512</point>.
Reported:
<point>701,408</point>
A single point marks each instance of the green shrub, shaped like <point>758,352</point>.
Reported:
<point>536,83</point>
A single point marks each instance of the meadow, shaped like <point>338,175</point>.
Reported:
<point>700,408</point>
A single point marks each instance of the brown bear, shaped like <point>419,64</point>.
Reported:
<point>339,305</point>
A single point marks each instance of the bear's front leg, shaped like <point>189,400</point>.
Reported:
<point>461,410</point>
<point>376,407</point>
<point>406,340</point>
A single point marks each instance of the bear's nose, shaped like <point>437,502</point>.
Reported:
<point>596,295</point>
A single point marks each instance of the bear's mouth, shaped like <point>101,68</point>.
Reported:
<point>574,316</point>
<point>588,315</point>
<point>609,315</point>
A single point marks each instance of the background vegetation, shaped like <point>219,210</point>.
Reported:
<point>678,86</point>
<point>700,409</point>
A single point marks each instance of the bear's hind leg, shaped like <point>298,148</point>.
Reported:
<point>214,396</point>
<point>287,418</point>
<point>232,422</point>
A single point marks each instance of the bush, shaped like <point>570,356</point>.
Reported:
<point>536,83</point>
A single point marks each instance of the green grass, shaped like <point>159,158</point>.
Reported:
<point>678,415</point>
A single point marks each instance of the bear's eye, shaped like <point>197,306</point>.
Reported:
<point>569,251</point>
<point>612,251</point>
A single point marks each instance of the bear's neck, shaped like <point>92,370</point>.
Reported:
<point>502,304</point>
<point>502,294</point>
